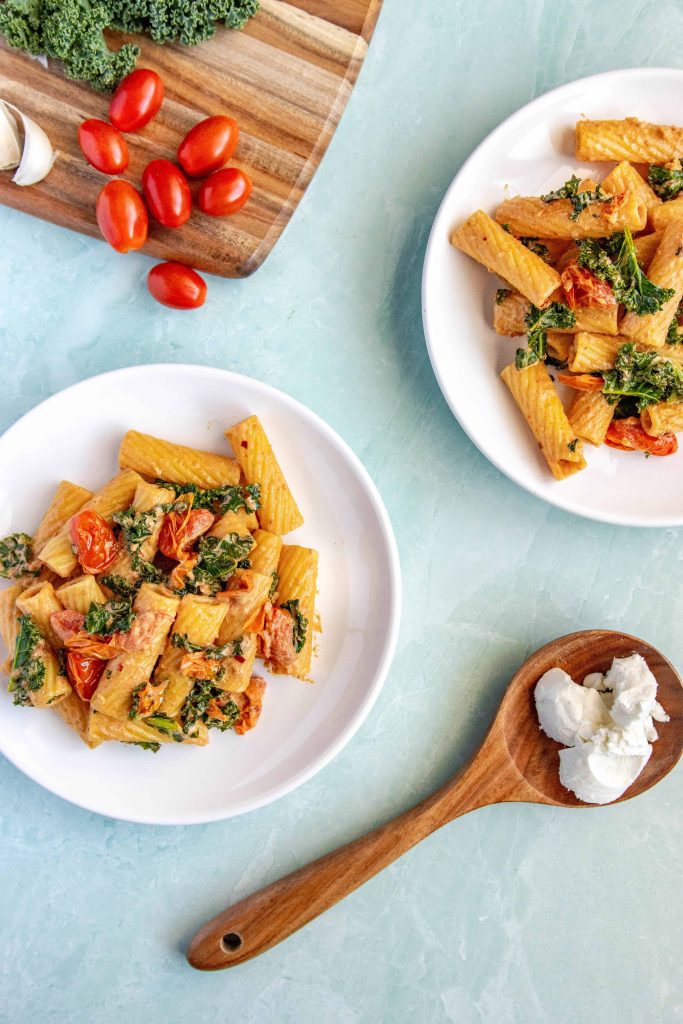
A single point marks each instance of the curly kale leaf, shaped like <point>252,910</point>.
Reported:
<point>213,652</point>
<point>538,323</point>
<point>643,376</point>
<point>615,260</point>
<point>219,500</point>
<point>579,200</point>
<point>666,182</point>
<point>196,706</point>
<point>218,560</point>
<point>674,335</point>
<point>167,725</point>
<point>28,668</point>
<point>112,617</point>
<point>16,557</point>
<point>299,624</point>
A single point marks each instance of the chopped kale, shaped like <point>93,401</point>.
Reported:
<point>579,200</point>
<point>275,576</point>
<point>108,618</point>
<point>167,725</point>
<point>643,376</point>
<point>615,260</point>
<point>299,625</point>
<point>559,364</point>
<point>219,500</point>
<point>218,560</point>
<point>571,445</point>
<point>538,323</point>
<point>666,182</point>
<point>136,526</point>
<point>674,335</point>
<point>28,668</point>
<point>16,557</point>
<point>537,247</point>
<point>154,747</point>
<point>195,707</point>
<point>213,652</point>
<point>120,586</point>
<point>502,294</point>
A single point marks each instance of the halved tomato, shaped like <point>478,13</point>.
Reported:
<point>94,540</point>
<point>180,529</point>
<point>628,435</point>
<point>84,673</point>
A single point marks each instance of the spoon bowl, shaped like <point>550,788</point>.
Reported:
<point>515,763</point>
<point>535,755</point>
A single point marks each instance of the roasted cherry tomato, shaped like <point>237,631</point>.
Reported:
<point>224,192</point>
<point>581,381</point>
<point>177,286</point>
<point>180,529</point>
<point>166,193</point>
<point>94,540</point>
<point>122,216</point>
<point>136,100</point>
<point>103,146</point>
<point>208,146</point>
<point>628,435</point>
<point>84,673</point>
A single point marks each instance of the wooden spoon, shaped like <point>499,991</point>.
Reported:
<point>516,762</point>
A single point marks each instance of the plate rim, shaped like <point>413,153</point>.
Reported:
<point>394,582</point>
<point>558,501</point>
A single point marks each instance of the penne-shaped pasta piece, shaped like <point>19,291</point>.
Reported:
<point>664,214</point>
<point>646,246</point>
<point>625,178</point>
<point>541,407</point>
<point>130,730</point>
<point>80,593</point>
<point>298,572</point>
<point>238,670</point>
<point>177,463</point>
<point>39,601</point>
<point>590,353</point>
<point>246,595</point>
<point>199,619</point>
<point>9,616</point>
<point>531,215</point>
<point>666,271</point>
<point>241,522</point>
<point>503,254</point>
<point>590,416</point>
<point>509,314</point>
<point>147,497</point>
<point>126,671</point>
<point>279,512</point>
<point>116,495</point>
<point>663,418</point>
<point>67,501</point>
<point>628,139</point>
<point>559,345</point>
<point>265,555</point>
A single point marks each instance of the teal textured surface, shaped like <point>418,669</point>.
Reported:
<point>512,915</point>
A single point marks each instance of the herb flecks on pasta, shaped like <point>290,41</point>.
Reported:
<point>580,199</point>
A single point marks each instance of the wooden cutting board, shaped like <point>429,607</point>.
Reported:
<point>285,79</point>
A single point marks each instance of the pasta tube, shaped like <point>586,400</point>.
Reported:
<point>666,270</point>
<point>67,501</point>
<point>199,619</point>
<point>666,213</point>
<point>279,512</point>
<point>510,310</point>
<point>248,592</point>
<point>76,713</point>
<point>38,602</point>
<point>129,730</point>
<point>592,352</point>
<point>531,215</point>
<point>298,572</point>
<point>265,556</point>
<point>80,593</point>
<point>629,139</point>
<point>541,407</point>
<point>625,178</point>
<point>590,416</point>
<point>503,254</point>
<point>663,418</point>
<point>175,462</point>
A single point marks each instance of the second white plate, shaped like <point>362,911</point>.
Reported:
<point>530,154</point>
<point>75,435</point>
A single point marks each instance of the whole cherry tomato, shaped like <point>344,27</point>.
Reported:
<point>94,540</point>
<point>166,193</point>
<point>177,286</point>
<point>628,435</point>
<point>103,146</point>
<point>224,192</point>
<point>208,146</point>
<point>136,100</point>
<point>179,530</point>
<point>84,673</point>
<point>122,216</point>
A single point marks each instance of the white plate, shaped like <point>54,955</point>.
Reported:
<point>75,435</point>
<point>529,154</point>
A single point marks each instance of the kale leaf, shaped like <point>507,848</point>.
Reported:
<point>537,247</point>
<point>502,294</point>
<point>666,182</point>
<point>218,560</point>
<point>196,705</point>
<point>16,557</point>
<point>299,625</point>
<point>579,200</point>
<point>538,323</point>
<point>108,618</point>
<point>28,669</point>
<point>120,586</point>
<point>643,376</point>
<point>275,577</point>
<point>167,725</point>
<point>615,260</point>
<point>219,500</point>
<point>213,652</point>
<point>154,747</point>
<point>674,336</point>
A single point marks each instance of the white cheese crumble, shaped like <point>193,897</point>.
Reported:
<point>606,726</point>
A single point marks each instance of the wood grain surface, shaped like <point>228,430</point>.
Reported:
<point>516,763</point>
<point>285,78</point>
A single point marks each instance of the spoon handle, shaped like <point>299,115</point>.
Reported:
<point>260,921</point>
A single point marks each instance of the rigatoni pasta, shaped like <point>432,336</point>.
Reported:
<point>140,617</point>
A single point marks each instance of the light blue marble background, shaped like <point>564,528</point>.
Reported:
<point>513,915</point>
